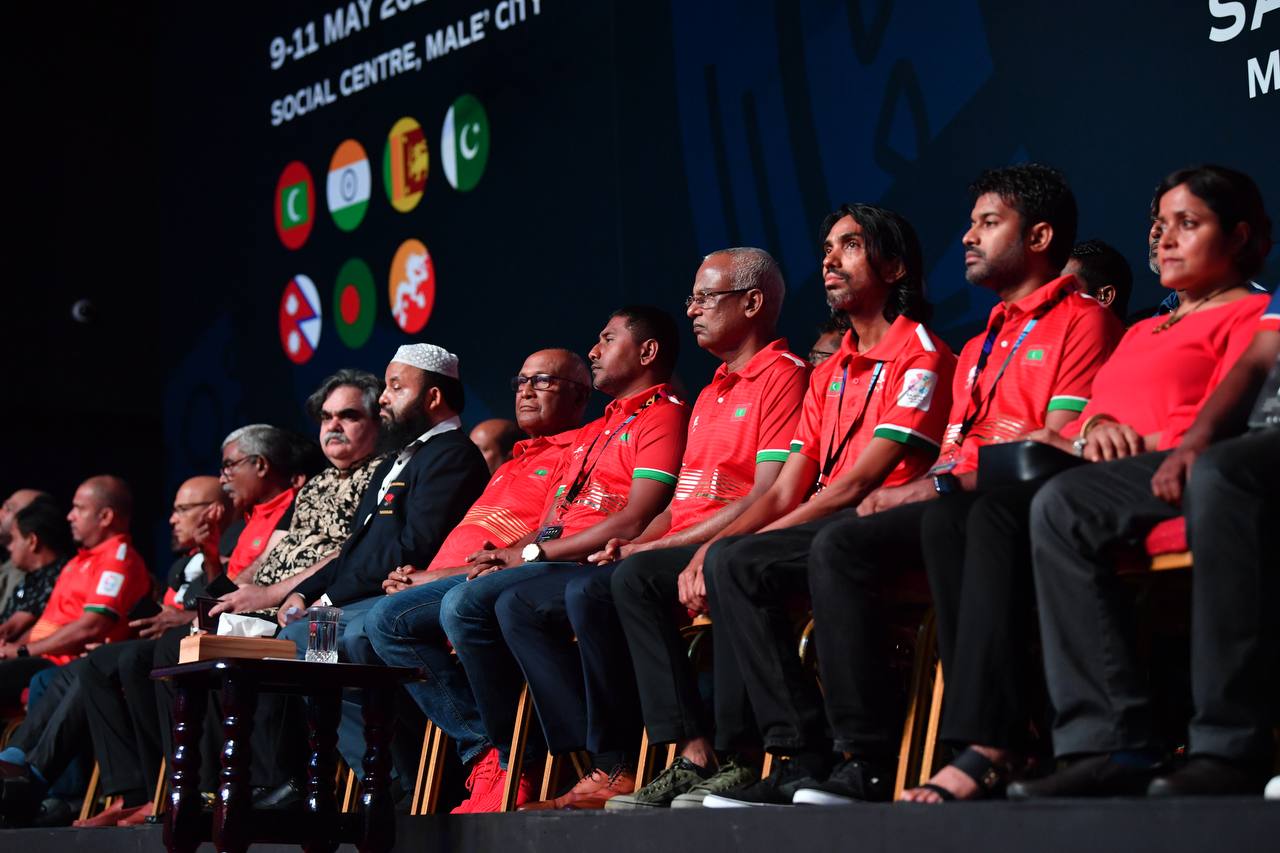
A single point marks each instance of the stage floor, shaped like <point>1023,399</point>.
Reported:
<point>1069,826</point>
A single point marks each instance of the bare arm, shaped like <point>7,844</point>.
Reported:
<point>70,638</point>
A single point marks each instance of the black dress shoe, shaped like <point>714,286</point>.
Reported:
<point>1094,776</point>
<point>19,800</point>
<point>288,796</point>
<point>1204,775</point>
<point>54,812</point>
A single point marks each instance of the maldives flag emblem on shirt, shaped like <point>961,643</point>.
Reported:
<point>295,205</point>
<point>348,185</point>
<point>405,162</point>
<point>300,319</point>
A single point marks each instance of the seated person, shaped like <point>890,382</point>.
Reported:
<point>39,546</point>
<point>1104,273</point>
<point>1215,235</point>
<point>95,590</point>
<point>614,476</point>
<point>874,413</point>
<point>740,427</point>
<point>495,437</point>
<point>829,335</point>
<point>10,575</point>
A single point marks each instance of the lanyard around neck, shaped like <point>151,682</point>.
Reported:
<point>834,452</point>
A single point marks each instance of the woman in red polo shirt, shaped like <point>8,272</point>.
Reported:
<point>1216,234</point>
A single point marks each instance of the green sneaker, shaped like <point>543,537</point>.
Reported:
<point>731,777</point>
<point>680,777</point>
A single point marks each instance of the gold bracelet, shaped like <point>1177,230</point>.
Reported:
<point>1092,421</point>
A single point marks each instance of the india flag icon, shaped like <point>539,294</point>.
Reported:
<point>464,143</point>
<point>349,185</point>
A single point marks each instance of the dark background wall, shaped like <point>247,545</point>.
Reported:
<point>628,139</point>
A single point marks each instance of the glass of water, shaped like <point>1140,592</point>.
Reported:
<point>322,640</point>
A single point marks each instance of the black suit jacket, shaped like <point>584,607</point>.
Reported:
<point>427,500</point>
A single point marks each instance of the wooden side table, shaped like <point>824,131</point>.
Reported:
<point>235,822</point>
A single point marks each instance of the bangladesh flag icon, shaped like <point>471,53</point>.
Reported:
<point>354,303</point>
<point>464,143</point>
<point>300,319</point>
<point>295,205</point>
<point>349,185</point>
<point>405,163</point>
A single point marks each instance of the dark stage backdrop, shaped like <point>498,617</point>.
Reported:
<point>494,176</point>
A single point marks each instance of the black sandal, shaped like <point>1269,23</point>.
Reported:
<point>989,776</point>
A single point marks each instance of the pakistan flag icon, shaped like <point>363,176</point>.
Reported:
<point>464,143</point>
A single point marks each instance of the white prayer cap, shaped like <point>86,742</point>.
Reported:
<point>428,357</point>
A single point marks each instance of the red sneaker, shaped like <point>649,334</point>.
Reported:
<point>483,770</point>
<point>490,800</point>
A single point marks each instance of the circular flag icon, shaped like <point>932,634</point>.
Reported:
<point>464,143</point>
<point>300,319</point>
<point>295,205</point>
<point>353,303</point>
<point>405,162</point>
<point>412,286</point>
<point>349,184</point>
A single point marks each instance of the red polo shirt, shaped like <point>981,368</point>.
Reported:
<point>108,578</point>
<point>1051,370</point>
<point>259,523</point>
<point>1156,382</point>
<point>610,452</point>
<point>511,505</point>
<point>907,404</point>
<point>740,420</point>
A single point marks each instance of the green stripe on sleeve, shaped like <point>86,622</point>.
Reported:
<point>904,435</point>
<point>772,456</point>
<point>1068,404</point>
<point>105,611</point>
<point>653,474</point>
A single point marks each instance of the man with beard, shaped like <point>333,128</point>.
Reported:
<point>422,493</point>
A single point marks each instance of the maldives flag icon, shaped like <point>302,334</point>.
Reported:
<point>354,303</point>
<point>300,319</point>
<point>405,163</point>
<point>295,206</point>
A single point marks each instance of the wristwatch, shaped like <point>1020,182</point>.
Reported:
<point>945,484</point>
<point>1079,445</point>
<point>531,553</point>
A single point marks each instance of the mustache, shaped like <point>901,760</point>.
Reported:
<point>334,436</point>
<point>840,274</point>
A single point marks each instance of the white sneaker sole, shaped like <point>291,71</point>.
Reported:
<point>715,801</point>
<point>818,797</point>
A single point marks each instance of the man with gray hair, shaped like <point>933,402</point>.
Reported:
<point>738,439</point>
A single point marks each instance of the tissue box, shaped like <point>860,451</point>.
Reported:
<point>209,646</point>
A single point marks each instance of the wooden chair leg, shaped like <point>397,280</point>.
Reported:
<point>767,766</point>
<point>519,737</point>
<point>550,772</point>
<point>644,764</point>
<point>435,772</point>
<point>11,725</point>
<point>929,753</point>
<point>159,800</point>
<point>89,807</point>
<point>671,756</point>
<point>420,778</point>
<point>349,794</point>
<point>917,704</point>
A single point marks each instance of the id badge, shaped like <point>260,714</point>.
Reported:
<point>549,532</point>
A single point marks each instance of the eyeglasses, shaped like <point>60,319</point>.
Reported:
<point>708,298</point>
<point>229,465</point>
<point>819,355</point>
<point>541,381</point>
<point>185,508</point>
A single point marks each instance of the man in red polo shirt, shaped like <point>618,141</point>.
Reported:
<point>616,475</point>
<point>737,442</point>
<point>95,592</point>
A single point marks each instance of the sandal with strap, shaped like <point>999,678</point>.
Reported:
<point>989,776</point>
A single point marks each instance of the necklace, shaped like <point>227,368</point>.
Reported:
<point>1178,315</point>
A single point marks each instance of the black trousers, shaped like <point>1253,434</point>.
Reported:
<point>56,730</point>
<point>15,674</point>
<point>122,717</point>
<point>646,596</point>
<point>1100,698</point>
<point>842,562</point>
<point>977,552</point>
<point>585,692</point>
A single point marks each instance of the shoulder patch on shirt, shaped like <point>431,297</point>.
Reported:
<point>122,551</point>
<point>109,584</point>
<point>917,389</point>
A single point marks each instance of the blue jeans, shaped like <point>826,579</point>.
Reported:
<point>404,630</point>
<point>467,615</point>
